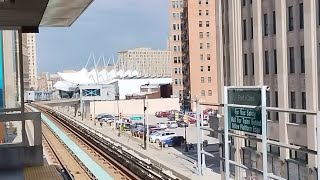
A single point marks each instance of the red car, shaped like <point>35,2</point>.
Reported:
<point>161,114</point>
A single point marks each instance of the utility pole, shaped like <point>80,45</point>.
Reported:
<point>144,123</point>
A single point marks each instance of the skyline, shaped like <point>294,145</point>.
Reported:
<point>63,48</point>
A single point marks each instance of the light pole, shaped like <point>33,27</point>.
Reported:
<point>144,123</point>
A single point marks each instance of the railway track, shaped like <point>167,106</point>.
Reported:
<point>109,156</point>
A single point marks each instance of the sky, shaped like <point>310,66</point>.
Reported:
<point>106,27</point>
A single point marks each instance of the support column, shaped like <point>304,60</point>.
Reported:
<point>236,66</point>
<point>281,42</point>
<point>220,73</point>
<point>258,57</point>
<point>311,78</point>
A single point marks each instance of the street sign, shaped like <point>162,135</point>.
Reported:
<point>250,97</point>
<point>245,119</point>
<point>135,118</point>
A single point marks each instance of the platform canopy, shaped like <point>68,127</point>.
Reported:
<point>32,14</point>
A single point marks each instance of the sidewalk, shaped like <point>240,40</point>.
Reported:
<point>173,158</point>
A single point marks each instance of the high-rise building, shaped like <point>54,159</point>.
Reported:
<point>193,41</point>
<point>274,43</point>
<point>176,8</point>
<point>32,54</point>
<point>26,64</point>
<point>146,61</point>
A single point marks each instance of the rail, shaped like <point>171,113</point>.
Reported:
<point>122,159</point>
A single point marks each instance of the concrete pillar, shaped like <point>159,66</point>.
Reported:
<point>220,73</point>
<point>311,78</point>
<point>257,41</point>
<point>281,42</point>
<point>236,66</point>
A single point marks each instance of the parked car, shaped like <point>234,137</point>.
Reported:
<point>205,123</point>
<point>161,114</point>
<point>182,124</point>
<point>160,136</point>
<point>99,116</point>
<point>107,118</point>
<point>162,125</point>
<point>135,125</point>
<point>135,131</point>
<point>172,141</point>
<point>172,124</point>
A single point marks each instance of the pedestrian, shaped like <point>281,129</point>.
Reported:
<point>101,124</point>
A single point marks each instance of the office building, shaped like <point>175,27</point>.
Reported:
<point>273,43</point>
<point>146,61</point>
<point>193,41</point>
<point>176,8</point>
<point>32,54</point>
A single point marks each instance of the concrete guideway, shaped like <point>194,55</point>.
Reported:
<point>177,162</point>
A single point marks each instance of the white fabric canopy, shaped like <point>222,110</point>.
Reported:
<point>65,86</point>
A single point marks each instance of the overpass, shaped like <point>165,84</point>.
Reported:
<point>64,102</point>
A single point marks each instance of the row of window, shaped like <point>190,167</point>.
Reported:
<point>176,26</point>
<point>178,70</point>
<point>207,24</point>
<point>177,4</point>
<point>178,81</point>
<point>292,66</point>
<point>177,60</point>
<point>267,24</point>
<point>206,1</point>
<point>203,93</point>
<point>208,81</point>
<point>176,38</point>
<point>202,69</point>
<point>201,35</point>
<point>177,15</point>
<point>200,12</point>
<point>201,45</point>
<point>202,57</point>
<point>177,48</point>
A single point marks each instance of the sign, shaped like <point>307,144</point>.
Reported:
<point>250,97</point>
<point>245,119</point>
<point>135,118</point>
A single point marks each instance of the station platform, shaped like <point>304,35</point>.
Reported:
<point>48,172</point>
<point>172,158</point>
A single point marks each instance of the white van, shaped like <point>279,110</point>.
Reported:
<point>160,136</point>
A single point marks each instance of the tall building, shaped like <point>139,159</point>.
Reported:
<point>274,43</point>
<point>193,41</point>
<point>146,61</point>
<point>176,8</point>
<point>26,64</point>
<point>31,42</point>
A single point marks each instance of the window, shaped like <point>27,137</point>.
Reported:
<point>207,23</point>
<point>201,45</point>
<point>208,34</point>
<point>209,79</point>
<point>290,16</point>
<point>209,92</point>
<point>243,2</point>
<point>251,27</point>
<point>175,70</point>
<point>202,79</point>
<point>200,12</point>
<point>209,68</point>
<point>176,81</point>
<point>244,29</point>
<point>274,22</point>
<point>200,23</point>
<point>175,48</point>
<point>276,103</point>
<point>208,57</point>
<point>293,105</point>
<point>201,56</point>
<point>199,1</point>
<point>252,58</point>
<point>208,45</point>
<point>266,62</point>
<point>297,155</point>
<point>207,1</point>
<point>203,93</point>
<point>200,34</point>
<point>301,16</point>
<point>245,66</point>
<point>302,59</point>
<point>174,26</point>
<point>174,15</point>
<point>179,60</point>
<point>291,59</point>
<point>207,12</point>
<point>304,106</point>
<point>173,4</point>
<point>174,37</point>
<point>275,61</point>
<point>265,24</point>
<point>201,68</point>
<point>175,59</point>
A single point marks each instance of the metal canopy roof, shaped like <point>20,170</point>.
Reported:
<point>30,14</point>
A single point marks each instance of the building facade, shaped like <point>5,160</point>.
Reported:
<point>176,14</point>
<point>274,43</point>
<point>146,61</point>
<point>32,54</point>
<point>193,41</point>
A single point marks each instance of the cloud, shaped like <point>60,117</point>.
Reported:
<point>105,27</point>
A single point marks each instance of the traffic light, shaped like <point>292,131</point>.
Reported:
<point>91,117</point>
<point>120,116</point>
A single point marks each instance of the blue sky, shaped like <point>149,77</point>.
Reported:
<point>106,27</point>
